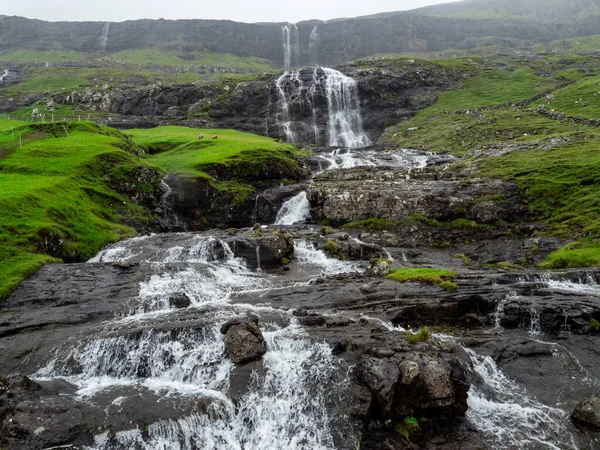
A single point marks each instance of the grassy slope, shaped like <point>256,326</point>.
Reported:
<point>561,182</point>
<point>54,187</point>
<point>246,156</point>
<point>72,70</point>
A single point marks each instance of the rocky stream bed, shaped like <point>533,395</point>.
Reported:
<point>257,338</point>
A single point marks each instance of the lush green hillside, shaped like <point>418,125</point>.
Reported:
<point>65,194</point>
<point>493,123</point>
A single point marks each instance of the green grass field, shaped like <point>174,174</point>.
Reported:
<point>56,202</point>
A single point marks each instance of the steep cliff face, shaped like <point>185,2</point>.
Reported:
<point>326,43</point>
<point>297,105</point>
<point>539,10</point>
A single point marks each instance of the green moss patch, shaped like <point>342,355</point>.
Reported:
<point>422,275</point>
<point>574,255</point>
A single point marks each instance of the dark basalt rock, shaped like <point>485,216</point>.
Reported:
<point>244,341</point>
<point>588,413</point>
<point>180,300</point>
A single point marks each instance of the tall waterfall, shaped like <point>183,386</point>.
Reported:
<point>291,45</point>
<point>314,44</point>
<point>320,106</point>
<point>345,122</point>
<point>104,37</point>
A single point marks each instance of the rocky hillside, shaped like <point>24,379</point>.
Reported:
<point>457,26</point>
<point>538,10</point>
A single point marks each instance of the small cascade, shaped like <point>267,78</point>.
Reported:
<point>167,204</point>
<point>500,308</point>
<point>289,89</point>
<point>585,284</point>
<point>344,158</point>
<point>535,322</point>
<point>296,209</point>
<point>307,256</point>
<point>508,417</point>
<point>291,46</point>
<point>104,37</point>
<point>314,44</point>
<point>345,128</point>
<point>3,76</point>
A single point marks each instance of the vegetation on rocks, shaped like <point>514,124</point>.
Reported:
<point>493,122</point>
<point>63,195</point>
<point>422,335</point>
<point>56,199</point>
<point>423,275</point>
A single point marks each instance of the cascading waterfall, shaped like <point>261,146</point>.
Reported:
<point>135,356</point>
<point>289,89</point>
<point>104,37</point>
<point>4,75</point>
<point>291,45</point>
<point>329,100</point>
<point>508,417</point>
<point>296,209</point>
<point>345,127</point>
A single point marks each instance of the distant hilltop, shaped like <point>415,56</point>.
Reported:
<point>461,25</point>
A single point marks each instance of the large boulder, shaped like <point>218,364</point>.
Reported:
<point>244,341</point>
<point>415,381</point>
<point>587,413</point>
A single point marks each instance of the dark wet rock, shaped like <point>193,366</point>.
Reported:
<point>410,381</point>
<point>202,206</point>
<point>179,300</point>
<point>588,413</point>
<point>238,321</point>
<point>48,422</point>
<point>263,248</point>
<point>409,371</point>
<point>313,321</point>
<point>381,377</point>
<point>244,341</point>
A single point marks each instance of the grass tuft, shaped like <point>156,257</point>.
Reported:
<point>430,276</point>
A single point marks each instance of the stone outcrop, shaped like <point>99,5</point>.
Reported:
<point>243,339</point>
<point>588,413</point>
<point>362,193</point>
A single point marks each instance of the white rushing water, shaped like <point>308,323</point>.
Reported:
<point>291,45</point>
<point>284,407</point>
<point>313,44</point>
<point>345,122</point>
<point>104,37</point>
<point>296,209</point>
<point>349,158</point>
<point>4,75</point>
<point>508,417</point>
<point>308,257</point>
<point>302,91</point>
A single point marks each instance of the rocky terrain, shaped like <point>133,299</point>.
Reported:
<point>336,41</point>
<point>381,290</point>
<point>151,290</point>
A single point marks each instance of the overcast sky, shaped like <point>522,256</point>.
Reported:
<point>238,10</point>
